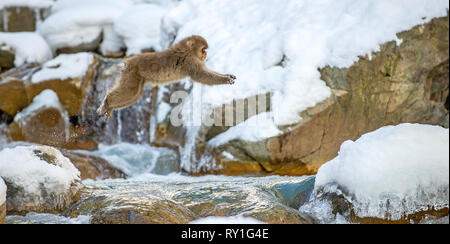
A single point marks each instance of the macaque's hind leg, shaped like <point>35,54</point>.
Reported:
<point>124,94</point>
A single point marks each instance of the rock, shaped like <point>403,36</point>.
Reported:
<point>13,96</point>
<point>84,47</point>
<point>2,201</point>
<point>296,194</point>
<point>38,179</point>
<point>181,200</point>
<point>7,56</point>
<point>92,167</point>
<point>399,84</point>
<point>22,18</point>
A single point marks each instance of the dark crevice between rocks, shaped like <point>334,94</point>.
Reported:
<point>5,118</point>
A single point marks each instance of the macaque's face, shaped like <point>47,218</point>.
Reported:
<point>204,54</point>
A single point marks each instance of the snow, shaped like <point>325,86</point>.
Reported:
<point>278,46</point>
<point>29,47</point>
<point>226,220</point>
<point>393,171</point>
<point>139,26</point>
<point>64,66</point>
<point>24,168</point>
<point>27,3</point>
<point>2,192</point>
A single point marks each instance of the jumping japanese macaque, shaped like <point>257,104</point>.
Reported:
<point>184,59</point>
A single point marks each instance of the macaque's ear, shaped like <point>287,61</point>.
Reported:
<point>190,43</point>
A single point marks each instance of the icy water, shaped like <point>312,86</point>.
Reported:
<point>155,181</point>
<point>155,186</point>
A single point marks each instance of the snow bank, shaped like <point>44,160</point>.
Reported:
<point>2,191</point>
<point>63,67</point>
<point>26,3</point>
<point>226,220</point>
<point>139,27</point>
<point>393,171</point>
<point>277,46</point>
<point>29,47</point>
<point>24,167</point>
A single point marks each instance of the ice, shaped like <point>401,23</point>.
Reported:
<point>64,66</point>
<point>226,220</point>
<point>29,47</point>
<point>25,169</point>
<point>391,172</point>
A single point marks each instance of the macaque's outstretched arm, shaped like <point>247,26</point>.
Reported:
<point>205,76</point>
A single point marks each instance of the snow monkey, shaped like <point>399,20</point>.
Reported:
<point>185,58</point>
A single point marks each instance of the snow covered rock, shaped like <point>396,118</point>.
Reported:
<point>391,87</point>
<point>27,47</point>
<point>111,26</point>
<point>39,179</point>
<point>2,201</point>
<point>44,121</point>
<point>68,75</point>
<point>396,173</point>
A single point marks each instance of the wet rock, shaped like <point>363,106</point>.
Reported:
<point>407,83</point>
<point>296,194</point>
<point>92,167</point>
<point>181,200</point>
<point>38,179</point>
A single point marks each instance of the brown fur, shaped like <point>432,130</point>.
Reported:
<point>186,58</point>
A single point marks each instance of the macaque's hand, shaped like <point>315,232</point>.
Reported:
<point>231,79</point>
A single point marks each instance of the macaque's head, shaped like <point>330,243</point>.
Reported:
<point>198,46</point>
